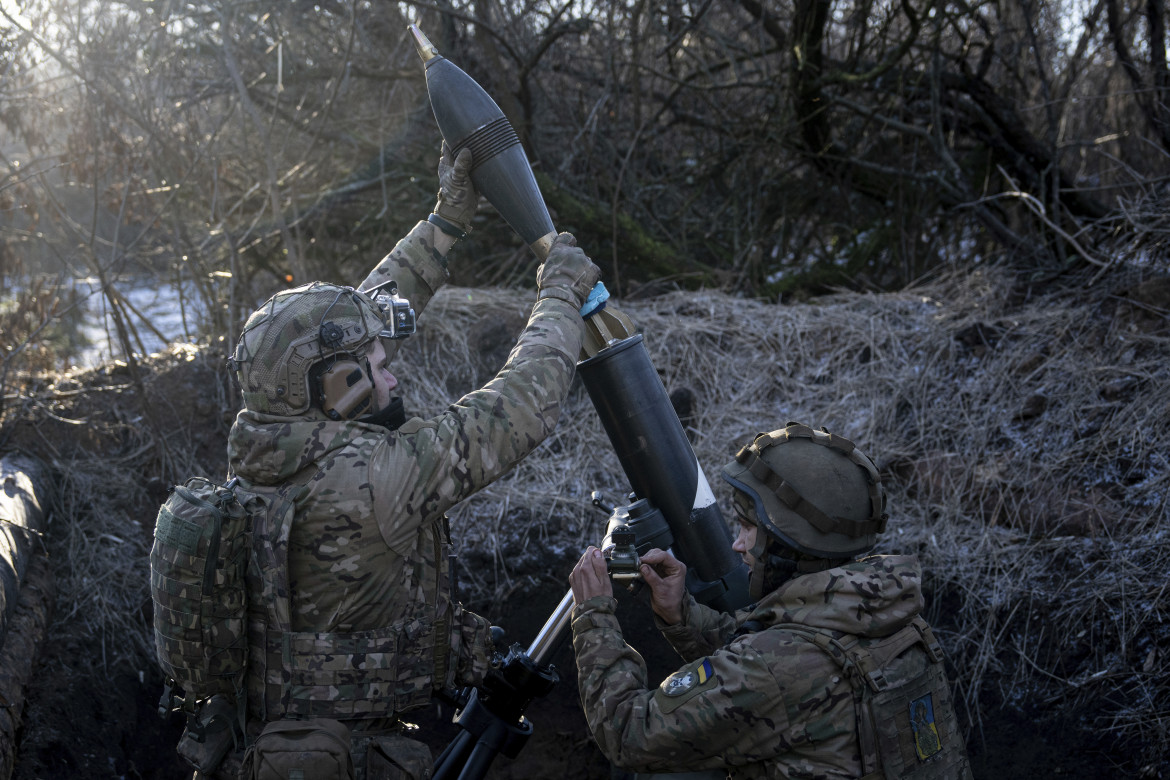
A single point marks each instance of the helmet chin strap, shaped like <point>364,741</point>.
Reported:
<point>770,571</point>
<point>392,416</point>
<point>775,564</point>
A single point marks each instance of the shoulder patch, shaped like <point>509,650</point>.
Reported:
<point>679,683</point>
<point>692,678</point>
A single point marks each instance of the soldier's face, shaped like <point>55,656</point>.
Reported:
<point>746,540</point>
<point>384,381</point>
<point>745,515</point>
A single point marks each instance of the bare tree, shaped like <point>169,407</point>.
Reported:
<point>231,148</point>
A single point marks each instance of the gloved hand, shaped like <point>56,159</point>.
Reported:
<point>458,199</point>
<point>567,272</point>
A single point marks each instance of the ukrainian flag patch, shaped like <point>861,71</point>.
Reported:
<point>686,679</point>
<point>926,739</point>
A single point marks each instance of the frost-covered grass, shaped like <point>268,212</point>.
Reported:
<point>1024,442</point>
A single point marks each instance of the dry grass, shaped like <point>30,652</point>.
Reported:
<point>1025,445</point>
<point>114,452</point>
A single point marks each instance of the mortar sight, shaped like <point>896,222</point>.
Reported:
<point>661,466</point>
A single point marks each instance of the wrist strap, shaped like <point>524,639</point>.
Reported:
<point>561,294</point>
<point>447,227</point>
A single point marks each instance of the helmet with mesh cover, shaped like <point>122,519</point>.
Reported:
<point>813,491</point>
<point>307,347</point>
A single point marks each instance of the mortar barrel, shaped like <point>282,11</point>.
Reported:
<point>661,466</point>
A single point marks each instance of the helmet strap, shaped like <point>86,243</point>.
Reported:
<point>776,563</point>
<point>770,570</point>
<point>390,417</point>
<point>768,573</point>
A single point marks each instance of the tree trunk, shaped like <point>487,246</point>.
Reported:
<point>27,590</point>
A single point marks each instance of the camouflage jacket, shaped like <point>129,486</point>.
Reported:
<point>370,626</point>
<point>763,704</point>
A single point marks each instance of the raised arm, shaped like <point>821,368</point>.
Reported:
<point>418,262</point>
<point>427,466</point>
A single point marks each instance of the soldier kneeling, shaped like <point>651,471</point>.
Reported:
<point>831,673</point>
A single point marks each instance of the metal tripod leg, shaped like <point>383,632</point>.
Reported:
<point>484,736</point>
<point>492,721</point>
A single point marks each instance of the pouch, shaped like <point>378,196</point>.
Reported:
<point>209,735</point>
<point>315,749</point>
<point>397,757</point>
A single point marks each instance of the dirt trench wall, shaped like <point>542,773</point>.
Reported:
<point>27,591</point>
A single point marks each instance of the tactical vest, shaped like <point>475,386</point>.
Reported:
<point>906,723</point>
<point>366,674</point>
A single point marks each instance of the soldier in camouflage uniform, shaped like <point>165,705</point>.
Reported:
<point>832,673</point>
<point>351,615</point>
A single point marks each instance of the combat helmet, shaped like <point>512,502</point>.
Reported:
<point>812,491</point>
<point>307,347</point>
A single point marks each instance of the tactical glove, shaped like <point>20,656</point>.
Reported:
<point>458,199</point>
<point>567,272</point>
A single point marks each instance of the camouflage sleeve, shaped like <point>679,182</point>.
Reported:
<point>427,466</point>
<point>416,267</point>
<point>414,264</point>
<point>701,631</point>
<point>746,703</point>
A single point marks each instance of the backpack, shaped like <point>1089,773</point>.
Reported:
<point>907,728</point>
<point>197,566</point>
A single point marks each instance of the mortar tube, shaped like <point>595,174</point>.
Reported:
<point>658,460</point>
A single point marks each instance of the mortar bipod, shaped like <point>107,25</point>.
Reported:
<point>492,719</point>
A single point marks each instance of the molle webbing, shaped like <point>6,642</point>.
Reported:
<point>749,457</point>
<point>363,674</point>
<point>865,664</point>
